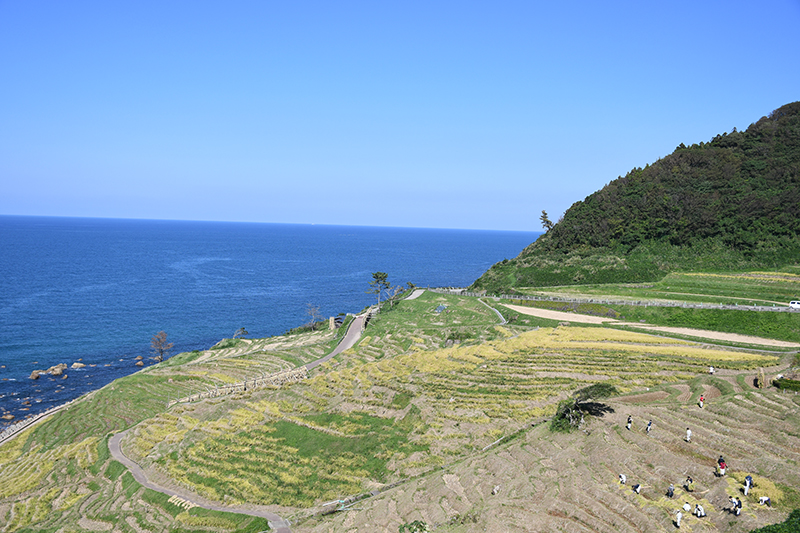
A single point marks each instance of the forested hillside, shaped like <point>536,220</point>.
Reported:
<point>731,203</point>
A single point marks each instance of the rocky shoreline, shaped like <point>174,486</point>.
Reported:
<point>46,389</point>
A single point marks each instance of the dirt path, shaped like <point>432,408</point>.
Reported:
<point>705,334</point>
<point>558,315</point>
<point>276,523</point>
<point>717,335</point>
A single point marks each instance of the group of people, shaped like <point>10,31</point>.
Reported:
<point>688,485</point>
<point>630,423</point>
<point>699,511</point>
<point>637,488</point>
<point>736,506</point>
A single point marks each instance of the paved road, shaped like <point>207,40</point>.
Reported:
<point>416,294</point>
<point>350,338</point>
<point>503,321</point>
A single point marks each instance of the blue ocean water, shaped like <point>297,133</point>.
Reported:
<point>97,290</point>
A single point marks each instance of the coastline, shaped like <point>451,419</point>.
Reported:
<point>15,428</point>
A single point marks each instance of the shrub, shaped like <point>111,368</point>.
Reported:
<point>791,525</point>
<point>417,526</point>
<point>787,384</point>
<point>226,343</point>
<point>567,417</point>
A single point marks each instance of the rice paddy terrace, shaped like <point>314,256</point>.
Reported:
<point>436,415</point>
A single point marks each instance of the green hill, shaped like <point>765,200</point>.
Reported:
<point>729,204</point>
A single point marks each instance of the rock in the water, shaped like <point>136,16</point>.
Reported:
<point>139,363</point>
<point>35,374</point>
<point>57,370</point>
<point>78,365</point>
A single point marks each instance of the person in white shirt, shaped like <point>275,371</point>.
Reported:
<point>699,511</point>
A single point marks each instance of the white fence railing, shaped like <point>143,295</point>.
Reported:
<point>603,301</point>
<point>275,380</point>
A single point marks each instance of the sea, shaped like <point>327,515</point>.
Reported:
<point>95,291</point>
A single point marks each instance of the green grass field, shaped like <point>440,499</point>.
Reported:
<point>742,288</point>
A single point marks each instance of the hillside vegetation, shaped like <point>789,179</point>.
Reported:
<point>729,204</point>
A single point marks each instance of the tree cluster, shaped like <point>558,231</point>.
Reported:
<point>380,285</point>
<point>730,203</point>
<point>742,187</point>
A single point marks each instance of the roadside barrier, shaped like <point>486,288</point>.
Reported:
<point>273,380</point>
<point>640,303</point>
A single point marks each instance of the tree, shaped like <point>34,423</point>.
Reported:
<point>379,283</point>
<point>240,332</point>
<point>547,224</point>
<point>570,413</point>
<point>596,392</point>
<point>313,312</point>
<point>159,346</point>
<point>397,289</point>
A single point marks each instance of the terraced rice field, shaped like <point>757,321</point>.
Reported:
<point>410,413</point>
<point>59,473</point>
<point>541,482</point>
<point>442,402</point>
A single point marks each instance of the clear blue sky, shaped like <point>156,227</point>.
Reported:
<point>422,114</point>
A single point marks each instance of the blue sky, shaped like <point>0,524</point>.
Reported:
<point>420,114</point>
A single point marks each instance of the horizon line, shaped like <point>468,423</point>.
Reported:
<point>326,224</point>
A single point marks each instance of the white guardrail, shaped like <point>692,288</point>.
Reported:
<point>640,303</point>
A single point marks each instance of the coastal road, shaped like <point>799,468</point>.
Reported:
<point>276,523</point>
<point>416,294</point>
<point>350,338</point>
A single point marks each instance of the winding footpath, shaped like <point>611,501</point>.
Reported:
<point>276,523</point>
